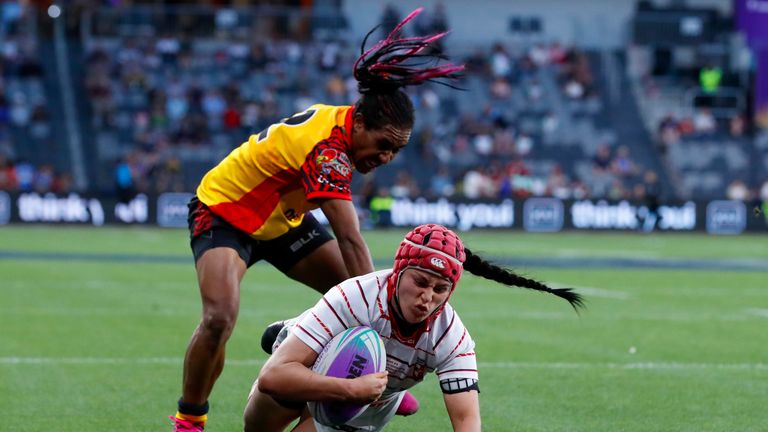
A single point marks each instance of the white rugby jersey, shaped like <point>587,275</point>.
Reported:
<point>446,347</point>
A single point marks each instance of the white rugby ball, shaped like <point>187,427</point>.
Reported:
<point>352,353</point>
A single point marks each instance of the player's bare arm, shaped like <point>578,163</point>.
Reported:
<point>463,410</point>
<point>343,218</point>
<point>287,375</point>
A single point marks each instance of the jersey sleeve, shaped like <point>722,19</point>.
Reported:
<point>340,308</point>
<point>327,170</point>
<point>457,371</point>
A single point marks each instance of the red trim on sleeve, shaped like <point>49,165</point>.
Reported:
<point>310,335</point>
<point>362,294</point>
<point>334,312</point>
<point>445,333</point>
<point>348,126</point>
<point>349,306</point>
<point>459,342</point>
<point>322,324</point>
<point>381,309</point>
<point>328,195</point>
<point>469,354</point>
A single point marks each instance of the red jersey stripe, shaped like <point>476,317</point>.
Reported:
<point>362,294</point>
<point>251,211</point>
<point>453,318</point>
<point>309,334</point>
<point>343,324</point>
<point>322,324</point>
<point>458,344</point>
<point>349,306</point>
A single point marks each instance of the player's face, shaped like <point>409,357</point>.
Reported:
<point>372,148</point>
<point>420,293</point>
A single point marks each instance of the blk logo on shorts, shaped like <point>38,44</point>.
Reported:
<point>298,244</point>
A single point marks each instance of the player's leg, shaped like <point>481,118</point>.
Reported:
<point>308,254</point>
<point>219,272</point>
<point>221,253</point>
<point>305,424</point>
<point>322,269</point>
<point>264,414</point>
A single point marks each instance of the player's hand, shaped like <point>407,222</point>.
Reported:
<point>368,388</point>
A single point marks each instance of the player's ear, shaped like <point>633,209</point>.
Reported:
<point>358,125</point>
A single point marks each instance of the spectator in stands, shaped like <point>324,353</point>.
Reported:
<point>253,205</point>
<point>524,144</point>
<point>651,191</point>
<point>21,111</point>
<point>622,164</point>
<point>617,192</point>
<point>381,208</point>
<point>441,183</point>
<point>8,180</point>
<point>501,62</point>
<point>668,134</point>
<point>25,175</point>
<point>477,185</point>
<point>390,18</point>
<point>736,126</point>
<point>477,63</point>
<point>558,183</point>
<point>500,89</point>
<point>124,184</point>
<point>601,162</point>
<point>709,78</point>
<point>45,179</point>
<point>405,186</point>
<point>737,191</point>
<point>5,114</point>
<point>704,121</point>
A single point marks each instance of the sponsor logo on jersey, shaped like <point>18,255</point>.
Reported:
<point>437,262</point>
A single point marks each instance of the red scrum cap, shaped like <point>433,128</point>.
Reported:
<point>433,248</point>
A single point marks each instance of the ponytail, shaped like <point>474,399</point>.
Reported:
<point>480,267</point>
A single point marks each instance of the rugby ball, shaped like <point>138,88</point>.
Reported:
<point>352,353</point>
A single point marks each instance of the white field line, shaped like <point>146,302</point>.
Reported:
<point>611,253</point>
<point>598,316</point>
<point>568,315</point>
<point>177,361</point>
<point>595,292</point>
<point>758,312</point>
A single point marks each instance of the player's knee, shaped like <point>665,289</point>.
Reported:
<point>218,324</point>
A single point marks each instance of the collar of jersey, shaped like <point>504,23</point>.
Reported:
<point>348,126</point>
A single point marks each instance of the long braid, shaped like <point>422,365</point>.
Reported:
<point>480,267</point>
<point>391,64</point>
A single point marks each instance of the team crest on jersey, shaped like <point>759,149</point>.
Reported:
<point>330,159</point>
<point>419,370</point>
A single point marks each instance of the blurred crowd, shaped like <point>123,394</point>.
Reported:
<point>171,94</point>
<point>25,125</point>
<point>164,105</point>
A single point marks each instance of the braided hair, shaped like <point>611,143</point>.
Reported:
<point>480,267</point>
<point>391,64</point>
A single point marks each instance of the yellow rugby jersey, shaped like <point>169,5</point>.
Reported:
<point>265,186</point>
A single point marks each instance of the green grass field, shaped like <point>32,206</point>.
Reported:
<point>94,324</point>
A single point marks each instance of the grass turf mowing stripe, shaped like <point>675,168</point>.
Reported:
<point>495,365</point>
<point>577,263</point>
